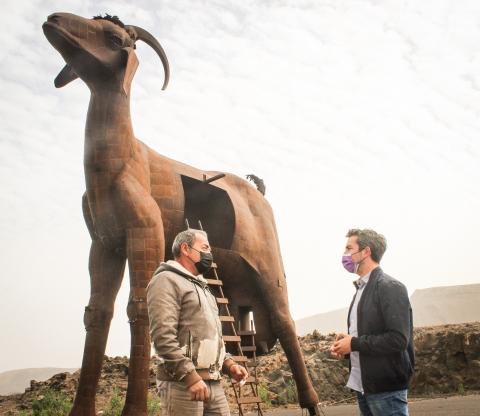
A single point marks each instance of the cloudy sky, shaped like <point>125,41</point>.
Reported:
<point>355,113</point>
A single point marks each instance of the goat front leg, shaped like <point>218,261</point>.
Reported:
<point>106,273</point>
<point>145,251</point>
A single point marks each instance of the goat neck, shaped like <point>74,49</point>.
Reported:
<point>110,144</point>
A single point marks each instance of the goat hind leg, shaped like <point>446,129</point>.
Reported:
<point>283,327</point>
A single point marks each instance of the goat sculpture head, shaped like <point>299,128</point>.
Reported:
<point>100,51</point>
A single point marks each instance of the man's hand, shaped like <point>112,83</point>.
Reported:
<point>198,391</point>
<point>238,372</point>
<point>340,335</point>
<point>342,345</point>
<point>334,354</point>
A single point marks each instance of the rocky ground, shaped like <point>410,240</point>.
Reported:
<point>448,362</point>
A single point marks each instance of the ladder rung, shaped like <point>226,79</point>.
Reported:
<point>226,318</point>
<point>250,379</point>
<point>248,348</point>
<point>245,333</point>
<point>248,400</point>
<point>214,282</point>
<point>245,360</point>
<point>223,301</point>
<point>231,338</point>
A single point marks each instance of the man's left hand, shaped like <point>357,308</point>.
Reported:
<point>343,345</point>
<point>238,372</point>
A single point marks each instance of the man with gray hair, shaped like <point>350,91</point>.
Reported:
<point>379,342</point>
<point>187,333</point>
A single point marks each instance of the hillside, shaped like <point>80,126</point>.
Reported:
<point>446,305</point>
<point>333,321</point>
<point>432,306</point>
<point>16,381</point>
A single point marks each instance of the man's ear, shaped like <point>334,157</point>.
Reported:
<point>130,68</point>
<point>184,248</point>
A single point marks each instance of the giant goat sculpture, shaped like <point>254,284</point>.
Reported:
<point>136,201</point>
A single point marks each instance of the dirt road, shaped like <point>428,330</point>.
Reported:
<point>452,406</point>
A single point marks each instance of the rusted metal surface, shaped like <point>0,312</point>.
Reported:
<point>137,200</point>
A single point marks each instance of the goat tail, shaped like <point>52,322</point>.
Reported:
<point>258,182</point>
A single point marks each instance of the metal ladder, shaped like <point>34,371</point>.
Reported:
<point>243,341</point>
<point>250,363</point>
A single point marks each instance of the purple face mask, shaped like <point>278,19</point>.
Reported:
<point>349,264</point>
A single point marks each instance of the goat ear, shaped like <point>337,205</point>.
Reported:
<point>66,75</point>
<point>130,68</point>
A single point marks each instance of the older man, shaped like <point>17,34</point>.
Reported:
<point>379,342</point>
<point>187,333</point>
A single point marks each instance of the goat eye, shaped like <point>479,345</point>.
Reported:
<point>116,40</point>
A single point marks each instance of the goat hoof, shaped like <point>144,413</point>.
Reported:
<point>82,411</point>
<point>133,411</point>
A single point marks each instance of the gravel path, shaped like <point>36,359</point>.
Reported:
<point>451,406</point>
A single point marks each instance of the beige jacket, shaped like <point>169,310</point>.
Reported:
<point>184,326</point>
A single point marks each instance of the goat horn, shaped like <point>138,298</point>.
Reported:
<point>142,34</point>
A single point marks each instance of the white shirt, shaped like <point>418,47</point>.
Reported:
<point>355,379</point>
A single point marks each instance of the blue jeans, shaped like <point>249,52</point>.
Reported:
<point>391,403</point>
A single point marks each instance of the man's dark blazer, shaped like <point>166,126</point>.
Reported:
<point>385,334</point>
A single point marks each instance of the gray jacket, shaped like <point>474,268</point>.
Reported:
<point>184,326</point>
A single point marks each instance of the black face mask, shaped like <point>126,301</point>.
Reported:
<point>205,263</point>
